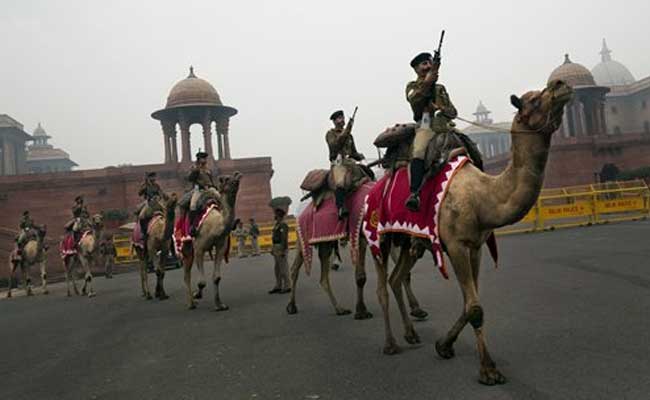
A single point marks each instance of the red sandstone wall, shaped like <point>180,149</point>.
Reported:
<point>49,197</point>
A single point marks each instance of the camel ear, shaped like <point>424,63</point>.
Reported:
<point>516,102</point>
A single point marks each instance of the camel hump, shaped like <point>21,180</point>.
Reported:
<point>395,135</point>
<point>314,180</point>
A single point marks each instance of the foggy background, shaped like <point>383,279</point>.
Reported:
<point>93,71</point>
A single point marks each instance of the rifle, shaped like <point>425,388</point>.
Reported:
<point>437,59</point>
<point>354,114</point>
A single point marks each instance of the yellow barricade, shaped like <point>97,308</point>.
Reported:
<point>265,240</point>
<point>586,205</point>
<point>124,254</point>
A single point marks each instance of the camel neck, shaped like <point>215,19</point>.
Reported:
<point>516,189</point>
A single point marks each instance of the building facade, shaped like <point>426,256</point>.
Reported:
<point>606,127</point>
<point>43,157</point>
<point>13,140</point>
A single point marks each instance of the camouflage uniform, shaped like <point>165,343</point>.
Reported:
<point>240,234</point>
<point>254,232</point>
<point>25,232</point>
<point>80,217</point>
<point>203,186</point>
<point>152,193</point>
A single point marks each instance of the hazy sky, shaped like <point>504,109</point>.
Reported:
<point>93,71</point>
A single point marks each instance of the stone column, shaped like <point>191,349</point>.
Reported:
<point>168,154</point>
<point>174,146</point>
<point>169,134</point>
<point>185,140</point>
<point>226,142</point>
<point>7,157</point>
<point>207,136</point>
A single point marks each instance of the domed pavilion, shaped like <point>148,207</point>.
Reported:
<point>194,101</point>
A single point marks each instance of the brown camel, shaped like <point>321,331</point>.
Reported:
<point>159,241</point>
<point>325,252</point>
<point>212,235</point>
<point>475,205</point>
<point>86,252</point>
<point>34,252</point>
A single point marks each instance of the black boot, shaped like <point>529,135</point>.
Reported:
<point>417,174</point>
<point>192,217</point>
<point>339,195</point>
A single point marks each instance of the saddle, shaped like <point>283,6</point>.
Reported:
<point>398,142</point>
<point>318,182</point>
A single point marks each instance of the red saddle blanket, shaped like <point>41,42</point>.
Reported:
<point>386,211</point>
<point>136,237</point>
<point>322,224</point>
<point>182,229</point>
<point>68,246</point>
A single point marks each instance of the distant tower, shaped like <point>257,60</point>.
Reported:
<point>482,114</point>
<point>43,157</point>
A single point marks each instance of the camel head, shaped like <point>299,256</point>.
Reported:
<point>228,186</point>
<point>171,202</point>
<point>542,112</point>
<point>97,221</point>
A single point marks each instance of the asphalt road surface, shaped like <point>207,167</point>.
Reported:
<point>566,318</point>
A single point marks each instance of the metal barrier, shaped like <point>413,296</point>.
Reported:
<point>265,238</point>
<point>124,253</point>
<point>585,205</point>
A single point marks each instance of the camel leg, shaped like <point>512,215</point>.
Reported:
<point>360,279</point>
<point>466,262</point>
<point>12,271</point>
<point>188,259</point>
<point>44,278</point>
<point>404,265</point>
<point>160,276</point>
<point>144,278</point>
<point>199,265</point>
<point>27,280</point>
<point>216,279</point>
<point>390,345</point>
<point>325,255</point>
<point>295,272</point>
<point>416,311</point>
<point>74,262</point>
<point>88,276</point>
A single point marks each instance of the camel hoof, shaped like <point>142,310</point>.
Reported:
<point>361,315</point>
<point>69,295</point>
<point>343,311</point>
<point>412,338</point>
<point>221,307</point>
<point>444,351</point>
<point>163,297</point>
<point>91,294</point>
<point>30,293</point>
<point>198,295</point>
<point>491,376</point>
<point>292,309</point>
<point>391,349</point>
<point>191,306</point>
<point>419,314</point>
<point>8,295</point>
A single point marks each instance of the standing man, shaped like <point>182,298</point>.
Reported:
<point>254,232</point>
<point>342,154</point>
<point>280,245</point>
<point>240,234</point>
<point>433,111</point>
<point>108,252</point>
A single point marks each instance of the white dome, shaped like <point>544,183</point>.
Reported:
<point>610,72</point>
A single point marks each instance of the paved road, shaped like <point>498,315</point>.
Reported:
<point>566,318</point>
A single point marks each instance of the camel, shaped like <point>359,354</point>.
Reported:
<point>212,235</point>
<point>325,252</point>
<point>161,230</point>
<point>34,252</point>
<point>86,252</point>
<point>475,205</point>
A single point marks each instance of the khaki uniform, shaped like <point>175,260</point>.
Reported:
<point>107,250</point>
<point>80,218</point>
<point>254,232</point>
<point>26,226</point>
<point>440,110</point>
<point>152,193</point>
<point>240,234</point>
<point>343,154</point>
<point>279,250</point>
<point>201,179</point>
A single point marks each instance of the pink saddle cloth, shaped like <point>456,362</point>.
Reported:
<point>182,229</point>
<point>322,224</point>
<point>136,237</point>
<point>68,246</point>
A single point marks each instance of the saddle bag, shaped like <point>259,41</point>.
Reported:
<point>314,180</point>
<point>395,135</point>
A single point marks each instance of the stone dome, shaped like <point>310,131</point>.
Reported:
<point>193,91</point>
<point>573,74</point>
<point>610,72</point>
<point>39,131</point>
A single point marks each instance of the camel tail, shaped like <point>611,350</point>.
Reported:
<point>492,246</point>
